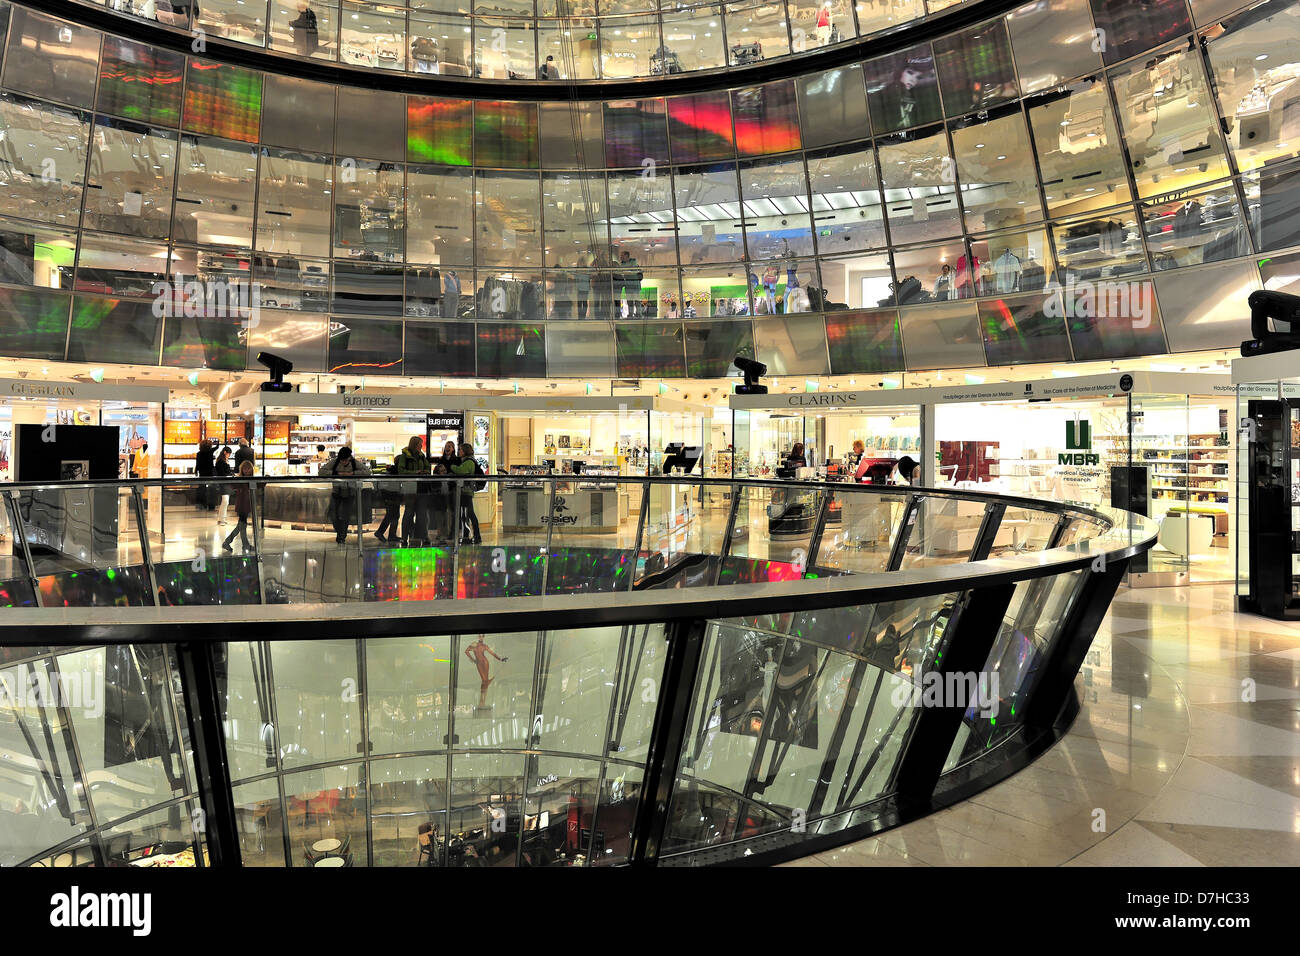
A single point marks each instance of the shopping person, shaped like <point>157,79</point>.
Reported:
<point>390,493</point>
<point>468,520</point>
<point>243,509</point>
<point>306,37</point>
<point>203,467</point>
<point>824,23</point>
<point>445,520</point>
<point>411,463</point>
<point>244,453</point>
<point>222,468</point>
<point>344,493</point>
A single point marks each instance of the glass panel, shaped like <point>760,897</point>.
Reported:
<point>756,33</point>
<point>304,30</point>
<point>709,213</point>
<point>486,810</point>
<point>1254,61</point>
<point>568,49</point>
<point>40,185</point>
<point>1205,227</point>
<point>791,344</point>
<point>129,187</point>
<point>1052,43</point>
<point>902,90</point>
<point>409,690</point>
<point>293,204</point>
<point>1100,248</point>
<point>833,106</point>
<point>1202,306</point>
<point>1166,111</point>
<point>700,127</point>
<point>920,194</point>
<point>1079,151</point>
<point>850,282</point>
<point>244,679</point>
<point>123,267</point>
<point>505,134</point>
<point>1130,29</point>
<point>1012,261</point>
<point>642,219</point>
<point>944,336</point>
<point>996,169</point>
<point>1023,329</point>
<point>777,225</point>
<point>50,58</point>
<point>317,681</point>
<point>128,745</point>
<point>692,41</point>
<point>975,70</point>
<point>847,209</point>
<point>505,49</point>
<point>261,823</point>
<point>628,48</point>
<point>372,36</point>
<point>223,100</point>
<point>215,183</point>
<point>226,18</point>
<point>509,227</point>
<point>408,810</point>
<point>46,803</point>
<point>572,135</point>
<point>326,811</point>
<point>164,838</point>
<point>32,322</point>
<point>140,82</point>
<point>114,330</point>
<point>298,113</point>
<point>35,255</point>
<point>864,341</point>
<point>370,124</point>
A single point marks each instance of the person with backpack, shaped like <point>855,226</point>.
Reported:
<point>390,493</point>
<point>410,463</point>
<point>243,509</point>
<point>469,468</point>
<point>343,494</point>
<point>306,35</point>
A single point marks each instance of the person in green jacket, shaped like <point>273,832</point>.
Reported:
<point>411,462</point>
<point>467,467</point>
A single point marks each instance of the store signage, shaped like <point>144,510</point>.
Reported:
<point>368,401</point>
<point>560,505</point>
<point>1078,439</point>
<point>43,390</point>
<point>445,422</point>
<point>815,399</point>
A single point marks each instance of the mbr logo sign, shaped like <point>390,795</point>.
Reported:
<point>1078,435</point>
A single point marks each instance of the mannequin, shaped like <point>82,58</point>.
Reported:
<point>1006,272</point>
<point>824,23</point>
<point>478,652</point>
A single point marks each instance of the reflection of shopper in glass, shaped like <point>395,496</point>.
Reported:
<point>943,284</point>
<point>305,36</point>
<point>344,493</point>
<point>478,652</point>
<point>904,471</point>
<point>243,508</point>
<point>631,280</point>
<point>412,462</point>
<point>223,469</point>
<point>468,467</point>
<point>824,23</point>
<point>909,99</point>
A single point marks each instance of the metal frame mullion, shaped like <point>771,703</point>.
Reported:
<point>934,728</point>
<point>19,529</point>
<point>145,555</point>
<point>197,666</point>
<point>253,520</point>
<point>640,533</point>
<point>550,533</point>
<point>725,550</point>
<point>904,532</point>
<point>988,530</point>
<point>363,698</point>
<point>819,529</point>
<point>672,716</point>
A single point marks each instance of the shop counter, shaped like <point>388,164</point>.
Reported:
<point>584,510</point>
<point>306,504</point>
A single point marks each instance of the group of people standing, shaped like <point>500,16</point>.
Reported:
<point>419,511</point>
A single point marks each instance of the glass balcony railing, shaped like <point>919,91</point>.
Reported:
<point>527,695</point>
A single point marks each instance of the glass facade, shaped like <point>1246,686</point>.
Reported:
<point>814,212</point>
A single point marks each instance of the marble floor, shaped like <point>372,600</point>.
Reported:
<point>1186,753</point>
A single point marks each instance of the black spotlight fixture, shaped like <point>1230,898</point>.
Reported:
<point>280,367</point>
<point>753,371</point>
<point>1282,309</point>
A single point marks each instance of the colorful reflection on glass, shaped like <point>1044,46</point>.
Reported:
<point>767,120</point>
<point>505,134</point>
<point>223,100</point>
<point>219,580</point>
<point>700,127</point>
<point>140,82</point>
<point>865,341</point>
<point>408,574</point>
<point>438,130</point>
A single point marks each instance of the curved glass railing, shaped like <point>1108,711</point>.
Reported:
<point>554,40</point>
<point>833,659</point>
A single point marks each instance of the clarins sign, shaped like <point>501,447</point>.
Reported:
<point>850,398</point>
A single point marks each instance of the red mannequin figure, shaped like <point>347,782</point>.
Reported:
<point>478,652</point>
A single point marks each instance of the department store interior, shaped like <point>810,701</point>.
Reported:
<point>1012,252</point>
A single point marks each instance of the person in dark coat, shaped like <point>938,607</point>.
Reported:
<point>205,467</point>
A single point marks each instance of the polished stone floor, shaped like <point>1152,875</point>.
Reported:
<point>1186,753</point>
